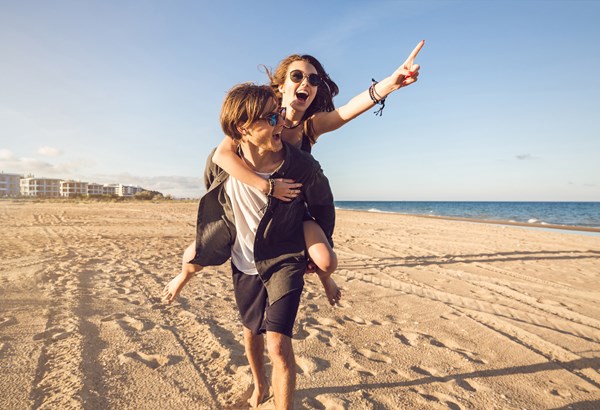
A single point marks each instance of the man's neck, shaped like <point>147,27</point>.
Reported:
<point>262,160</point>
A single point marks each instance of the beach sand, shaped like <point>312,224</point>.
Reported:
<point>436,314</point>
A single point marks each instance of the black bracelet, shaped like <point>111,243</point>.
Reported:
<point>373,94</point>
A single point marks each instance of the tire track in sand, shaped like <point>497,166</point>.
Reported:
<point>489,315</point>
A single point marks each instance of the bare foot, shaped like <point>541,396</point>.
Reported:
<point>333,293</point>
<point>259,395</point>
<point>173,288</point>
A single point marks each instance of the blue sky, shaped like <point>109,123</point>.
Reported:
<point>506,106</point>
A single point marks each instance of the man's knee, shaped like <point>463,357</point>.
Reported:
<point>280,348</point>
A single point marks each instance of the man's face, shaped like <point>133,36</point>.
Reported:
<point>262,134</point>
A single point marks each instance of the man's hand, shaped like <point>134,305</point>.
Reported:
<point>310,268</point>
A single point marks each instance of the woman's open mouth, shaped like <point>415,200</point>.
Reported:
<point>302,95</point>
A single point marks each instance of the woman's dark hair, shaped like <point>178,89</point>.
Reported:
<point>323,100</point>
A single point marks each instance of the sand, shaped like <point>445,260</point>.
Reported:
<point>436,314</point>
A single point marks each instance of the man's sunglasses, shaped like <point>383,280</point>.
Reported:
<point>313,79</point>
<point>273,118</point>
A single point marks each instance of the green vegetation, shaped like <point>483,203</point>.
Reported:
<point>153,196</point>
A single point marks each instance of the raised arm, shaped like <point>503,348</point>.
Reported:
<point>226,157</point>
<point>404,75</point>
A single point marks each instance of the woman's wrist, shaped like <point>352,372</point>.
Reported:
<point>386,86</point>
<point>265,186</point>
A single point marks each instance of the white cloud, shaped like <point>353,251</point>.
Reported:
<point>6,154</point>
<point>26,165</point>
<point>525,157</point>
<point>49,151</point>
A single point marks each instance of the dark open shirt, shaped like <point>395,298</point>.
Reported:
<point>279,244</point>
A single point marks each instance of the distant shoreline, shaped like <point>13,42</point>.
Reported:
<point>487,221</point>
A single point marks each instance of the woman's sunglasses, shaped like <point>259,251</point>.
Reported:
<point>313,79</point>
<point>273,118</point>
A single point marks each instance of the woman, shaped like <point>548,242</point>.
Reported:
<point>306,92</point>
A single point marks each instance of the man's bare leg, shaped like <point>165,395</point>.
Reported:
<point>255,352</point>
<point>284,369</point>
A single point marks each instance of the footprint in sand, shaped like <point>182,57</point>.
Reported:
<point>451,316</point>
<point>131,324</point>
<point>427,371</point>
<point>332,403</point>
<point>54,333</point>
<point>452,346</point>
<point>7,321</point>
<point>375,356</point>
<point>153,361</point>
<point>128,323</point>
<point>564,393</point>
<point>462,383</point>
<point>309,308</point>
<point>356,319</point>
<point>306,332</point>
<point>353,365</point>
<point>408,338</point>
<point>438,398</point>
<point>309,365</point>
<point>114,316</point>
<point>328,322</point>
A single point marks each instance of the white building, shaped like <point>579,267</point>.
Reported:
<point>48,187</point>
<point>128,190</point>
<point>10,184</point>
<point>109,189</point>
<point>94,189</point>
<point>70,188</point>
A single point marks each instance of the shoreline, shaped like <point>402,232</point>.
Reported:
<point>488,221</point>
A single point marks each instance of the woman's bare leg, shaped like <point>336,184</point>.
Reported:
<point>188,270</point>
<point>325,259</point>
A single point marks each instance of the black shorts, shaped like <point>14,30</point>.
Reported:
<point>253,304</point>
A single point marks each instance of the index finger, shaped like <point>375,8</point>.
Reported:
<point>414,53</point>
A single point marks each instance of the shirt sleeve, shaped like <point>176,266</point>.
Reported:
<point>319,201</point>
<point>210,171</point>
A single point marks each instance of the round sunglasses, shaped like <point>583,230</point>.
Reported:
<point>273,117</point>
<point>313,79</point>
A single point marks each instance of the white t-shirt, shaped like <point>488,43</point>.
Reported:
<point>249,205</point>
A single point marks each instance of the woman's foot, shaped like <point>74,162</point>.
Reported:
<point>333,293</point>
<point>173,288</point>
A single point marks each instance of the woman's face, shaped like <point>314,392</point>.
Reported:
<point>298,96</point>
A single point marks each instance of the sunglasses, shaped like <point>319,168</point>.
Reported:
<point>313,79</point>
<point>273,117</point>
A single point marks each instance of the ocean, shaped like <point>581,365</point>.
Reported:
<point>578,214</point>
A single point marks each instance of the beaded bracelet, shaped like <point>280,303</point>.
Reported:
<point>271,187</point>
<point>376,98</point>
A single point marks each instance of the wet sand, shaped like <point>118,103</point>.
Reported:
<point>436,314</point>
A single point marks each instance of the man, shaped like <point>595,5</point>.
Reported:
<point>262,235</point>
